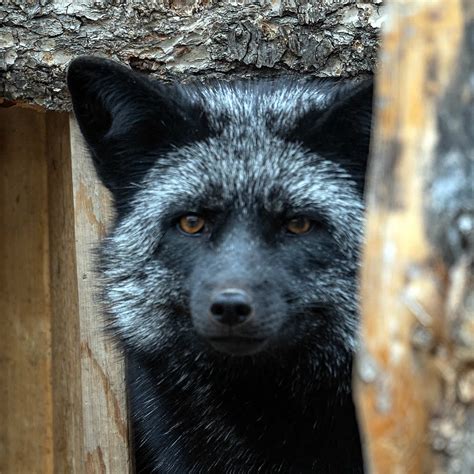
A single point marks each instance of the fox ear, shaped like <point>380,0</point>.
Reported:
<point>342,132</point>
<point>127,120</point>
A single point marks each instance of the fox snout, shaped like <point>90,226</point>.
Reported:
<point>237,319</point>
<point>231,307</point>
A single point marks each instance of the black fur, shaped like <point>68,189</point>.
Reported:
<point>272,394</point>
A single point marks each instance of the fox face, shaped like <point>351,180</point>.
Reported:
<point>239,214</point>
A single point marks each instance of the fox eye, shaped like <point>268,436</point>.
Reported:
<point>298,225</point>
<point>191,224</point>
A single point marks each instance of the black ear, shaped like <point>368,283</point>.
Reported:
<point>127,120</point>
<point>342,132</point>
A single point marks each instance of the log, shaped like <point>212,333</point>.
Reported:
<point>415,376</point>
<point>182,39</point>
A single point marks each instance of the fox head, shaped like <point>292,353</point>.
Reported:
<point>239,213</point>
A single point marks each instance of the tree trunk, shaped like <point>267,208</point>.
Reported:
<point>415,374</point>
<point>182,39</point>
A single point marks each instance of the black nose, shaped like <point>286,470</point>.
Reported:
<point>231,307</point>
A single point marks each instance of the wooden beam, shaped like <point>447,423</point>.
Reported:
<point>26,402</point>
<point>409,365</point>
<point>106,433</point>
<point>63,400</point>
<point>64,300</point>
<point>182,39</point>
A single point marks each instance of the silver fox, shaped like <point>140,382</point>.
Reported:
<point>229,278</point>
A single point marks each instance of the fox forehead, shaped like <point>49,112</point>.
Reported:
<point>247,152</point>
<point>271,105</point>
<point>234,172</point>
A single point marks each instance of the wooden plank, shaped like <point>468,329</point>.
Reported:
<point>26,402</point>
<point>66,366</point>
<point>103,380</point>
<point>406,363</point>
<point>63,406</point>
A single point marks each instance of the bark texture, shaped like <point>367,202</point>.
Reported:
<point>415,371</point>
<point>181,39</point>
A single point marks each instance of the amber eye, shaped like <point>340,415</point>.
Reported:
<point>298,225</point>
<point>191,224</point>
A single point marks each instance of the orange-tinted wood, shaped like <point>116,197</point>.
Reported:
<point>103,380</point>
<point>26,401</point>
<point>62,396</point>
<point>408,349</point>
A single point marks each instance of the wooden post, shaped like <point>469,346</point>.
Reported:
<point>417,336</point>
<point>26,404</point>
<point>62,396</point>
<point>67,442</point>
<point>103,380</point>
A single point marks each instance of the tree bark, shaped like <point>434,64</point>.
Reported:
<point>182,39</point>
<point>415,370</point>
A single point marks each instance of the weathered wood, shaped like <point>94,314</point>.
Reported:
<point>414,371</point>
<point>66,367</point>
<point>25,349</point>
<point>182,39</point>
<point>40,429</point>
<point>62,400</point>
<point>103,381</point>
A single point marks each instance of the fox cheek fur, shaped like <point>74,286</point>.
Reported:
<point>239,336</point>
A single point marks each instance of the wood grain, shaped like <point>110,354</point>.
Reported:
<point>65,325</point>
<point>103,380</point>
<point>62,400</point>
<point>26,402</point>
